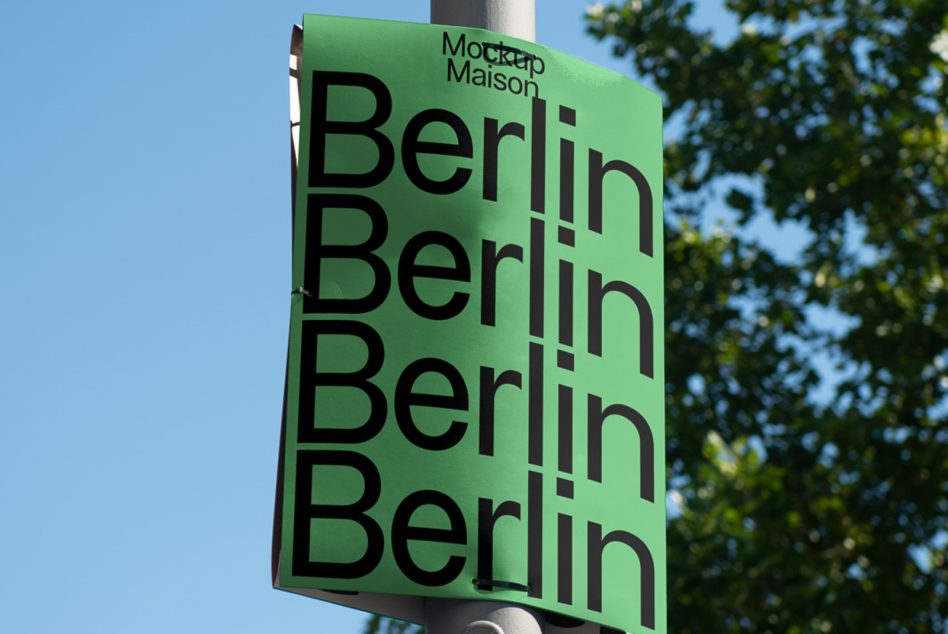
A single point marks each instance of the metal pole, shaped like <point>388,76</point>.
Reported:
<point>448,616</point>
<point>510,17</point>
<point>516,18</point>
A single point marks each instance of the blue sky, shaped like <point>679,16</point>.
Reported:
<point>145,274</point>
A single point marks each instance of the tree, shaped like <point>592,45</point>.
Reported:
<point>809,501</point>
<point>807,445</point>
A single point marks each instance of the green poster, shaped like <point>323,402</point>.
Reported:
<point>474,404</point>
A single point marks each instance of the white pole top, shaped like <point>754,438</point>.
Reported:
<point>510,17</point>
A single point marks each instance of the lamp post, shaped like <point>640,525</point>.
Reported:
<point>516,18</point>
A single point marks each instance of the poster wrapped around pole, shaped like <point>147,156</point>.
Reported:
<point>474,401</point>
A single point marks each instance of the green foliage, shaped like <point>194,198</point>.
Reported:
<point>804,500</point>
<point>382,625</point>
<point>805,504</point>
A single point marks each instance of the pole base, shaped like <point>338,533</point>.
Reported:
<point>449,616</point>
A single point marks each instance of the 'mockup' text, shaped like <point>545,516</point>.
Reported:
<point>492,65</point>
